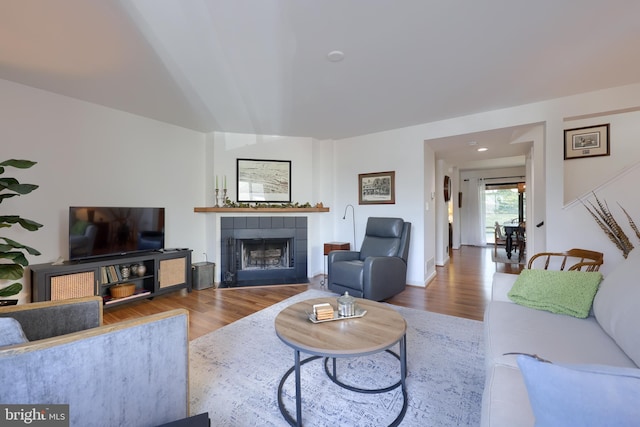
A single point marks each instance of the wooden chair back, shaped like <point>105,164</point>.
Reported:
<point>498,234</point>
<point>499,239</point>
<point>588,260</point>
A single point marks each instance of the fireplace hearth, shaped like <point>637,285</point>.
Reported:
<point>263,251</point>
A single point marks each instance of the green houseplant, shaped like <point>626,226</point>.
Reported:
<point>12,253</point>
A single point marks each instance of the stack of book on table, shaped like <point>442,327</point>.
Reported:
<point>323,311</point>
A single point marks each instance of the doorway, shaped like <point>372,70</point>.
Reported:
<point>504,203</point>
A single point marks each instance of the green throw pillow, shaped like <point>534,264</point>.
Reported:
<point>562,292</point>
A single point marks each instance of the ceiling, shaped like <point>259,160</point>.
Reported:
<point>261,67</point>
<point>504,148</point>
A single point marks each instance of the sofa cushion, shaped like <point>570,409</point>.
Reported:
<point>562,292</point>
<point>512,328</point>
<point>504,399</point>
<point>616,305</point>
<point>11,332</point>
<point>501,285</point>
<point>575,395</point>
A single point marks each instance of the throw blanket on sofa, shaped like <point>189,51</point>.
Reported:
<point>562,292</point>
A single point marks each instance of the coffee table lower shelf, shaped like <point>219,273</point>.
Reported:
<point>334,377</point>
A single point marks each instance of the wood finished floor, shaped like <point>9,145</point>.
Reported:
<point>461,288</point>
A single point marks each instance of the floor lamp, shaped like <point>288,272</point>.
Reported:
<point>353,221</point>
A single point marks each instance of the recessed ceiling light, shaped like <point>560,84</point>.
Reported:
<point>482,149</point>
<point>335,56</point>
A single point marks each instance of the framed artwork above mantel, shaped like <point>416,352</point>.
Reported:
<point>263,180</point>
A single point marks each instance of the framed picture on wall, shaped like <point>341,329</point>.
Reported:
<point>264,180</point>
<point>447,188</point>
<point>377,188</point>
<point>588,141</point>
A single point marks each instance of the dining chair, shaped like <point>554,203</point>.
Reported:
<point>573,259</point>
<point>499,238</point>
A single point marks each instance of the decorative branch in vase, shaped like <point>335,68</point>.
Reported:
<point>604,218</point>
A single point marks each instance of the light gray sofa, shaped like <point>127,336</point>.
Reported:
<point>132,373</point>
<point>609,336</point>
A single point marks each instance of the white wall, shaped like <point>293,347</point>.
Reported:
<point>92,155</point>
<point>442,213</point>
<point>430,209</point>
<point>581,176</point>
<point>401,151</point>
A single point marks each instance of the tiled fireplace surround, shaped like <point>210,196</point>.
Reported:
<point>235,229</point>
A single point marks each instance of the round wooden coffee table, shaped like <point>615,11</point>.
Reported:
<point>378,330</point>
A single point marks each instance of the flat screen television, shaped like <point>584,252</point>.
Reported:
<point>96,231</point>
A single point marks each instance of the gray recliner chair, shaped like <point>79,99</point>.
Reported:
<point>379,270</point>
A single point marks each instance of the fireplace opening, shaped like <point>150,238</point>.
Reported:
<point>256,251</point>
<point>264,254</point>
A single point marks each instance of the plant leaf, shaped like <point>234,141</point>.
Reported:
<point>15,257</point>
<point>25,223</point>
<point>11,271</point>
<point>18,163</point>
<point>12,244</point>
<point>6,196</point>
<point>6,182</point>
<point>13,185</point>
<point>12,289</point>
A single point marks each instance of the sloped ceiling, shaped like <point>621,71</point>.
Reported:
<point>260,66</point>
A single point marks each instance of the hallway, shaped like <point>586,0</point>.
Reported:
<point>460,288</point>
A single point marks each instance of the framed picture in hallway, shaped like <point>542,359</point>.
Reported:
<point>264,180</point>
<point>377,188</point>
<point>588,141</point>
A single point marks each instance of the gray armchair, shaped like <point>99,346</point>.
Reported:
<point>379,270</point>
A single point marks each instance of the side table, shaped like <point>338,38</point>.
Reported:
<point>328,247</point>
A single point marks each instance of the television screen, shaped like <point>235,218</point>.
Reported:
<point>100,231</point>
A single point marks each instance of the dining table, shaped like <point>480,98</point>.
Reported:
<point>509,230</point>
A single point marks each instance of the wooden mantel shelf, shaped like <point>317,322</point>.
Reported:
<point>260,210</point>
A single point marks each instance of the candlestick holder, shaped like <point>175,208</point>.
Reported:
<point>216,205</point>
<point>224,197</point>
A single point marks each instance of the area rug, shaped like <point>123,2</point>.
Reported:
<point>235,372</point>
<point>502,257</point>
